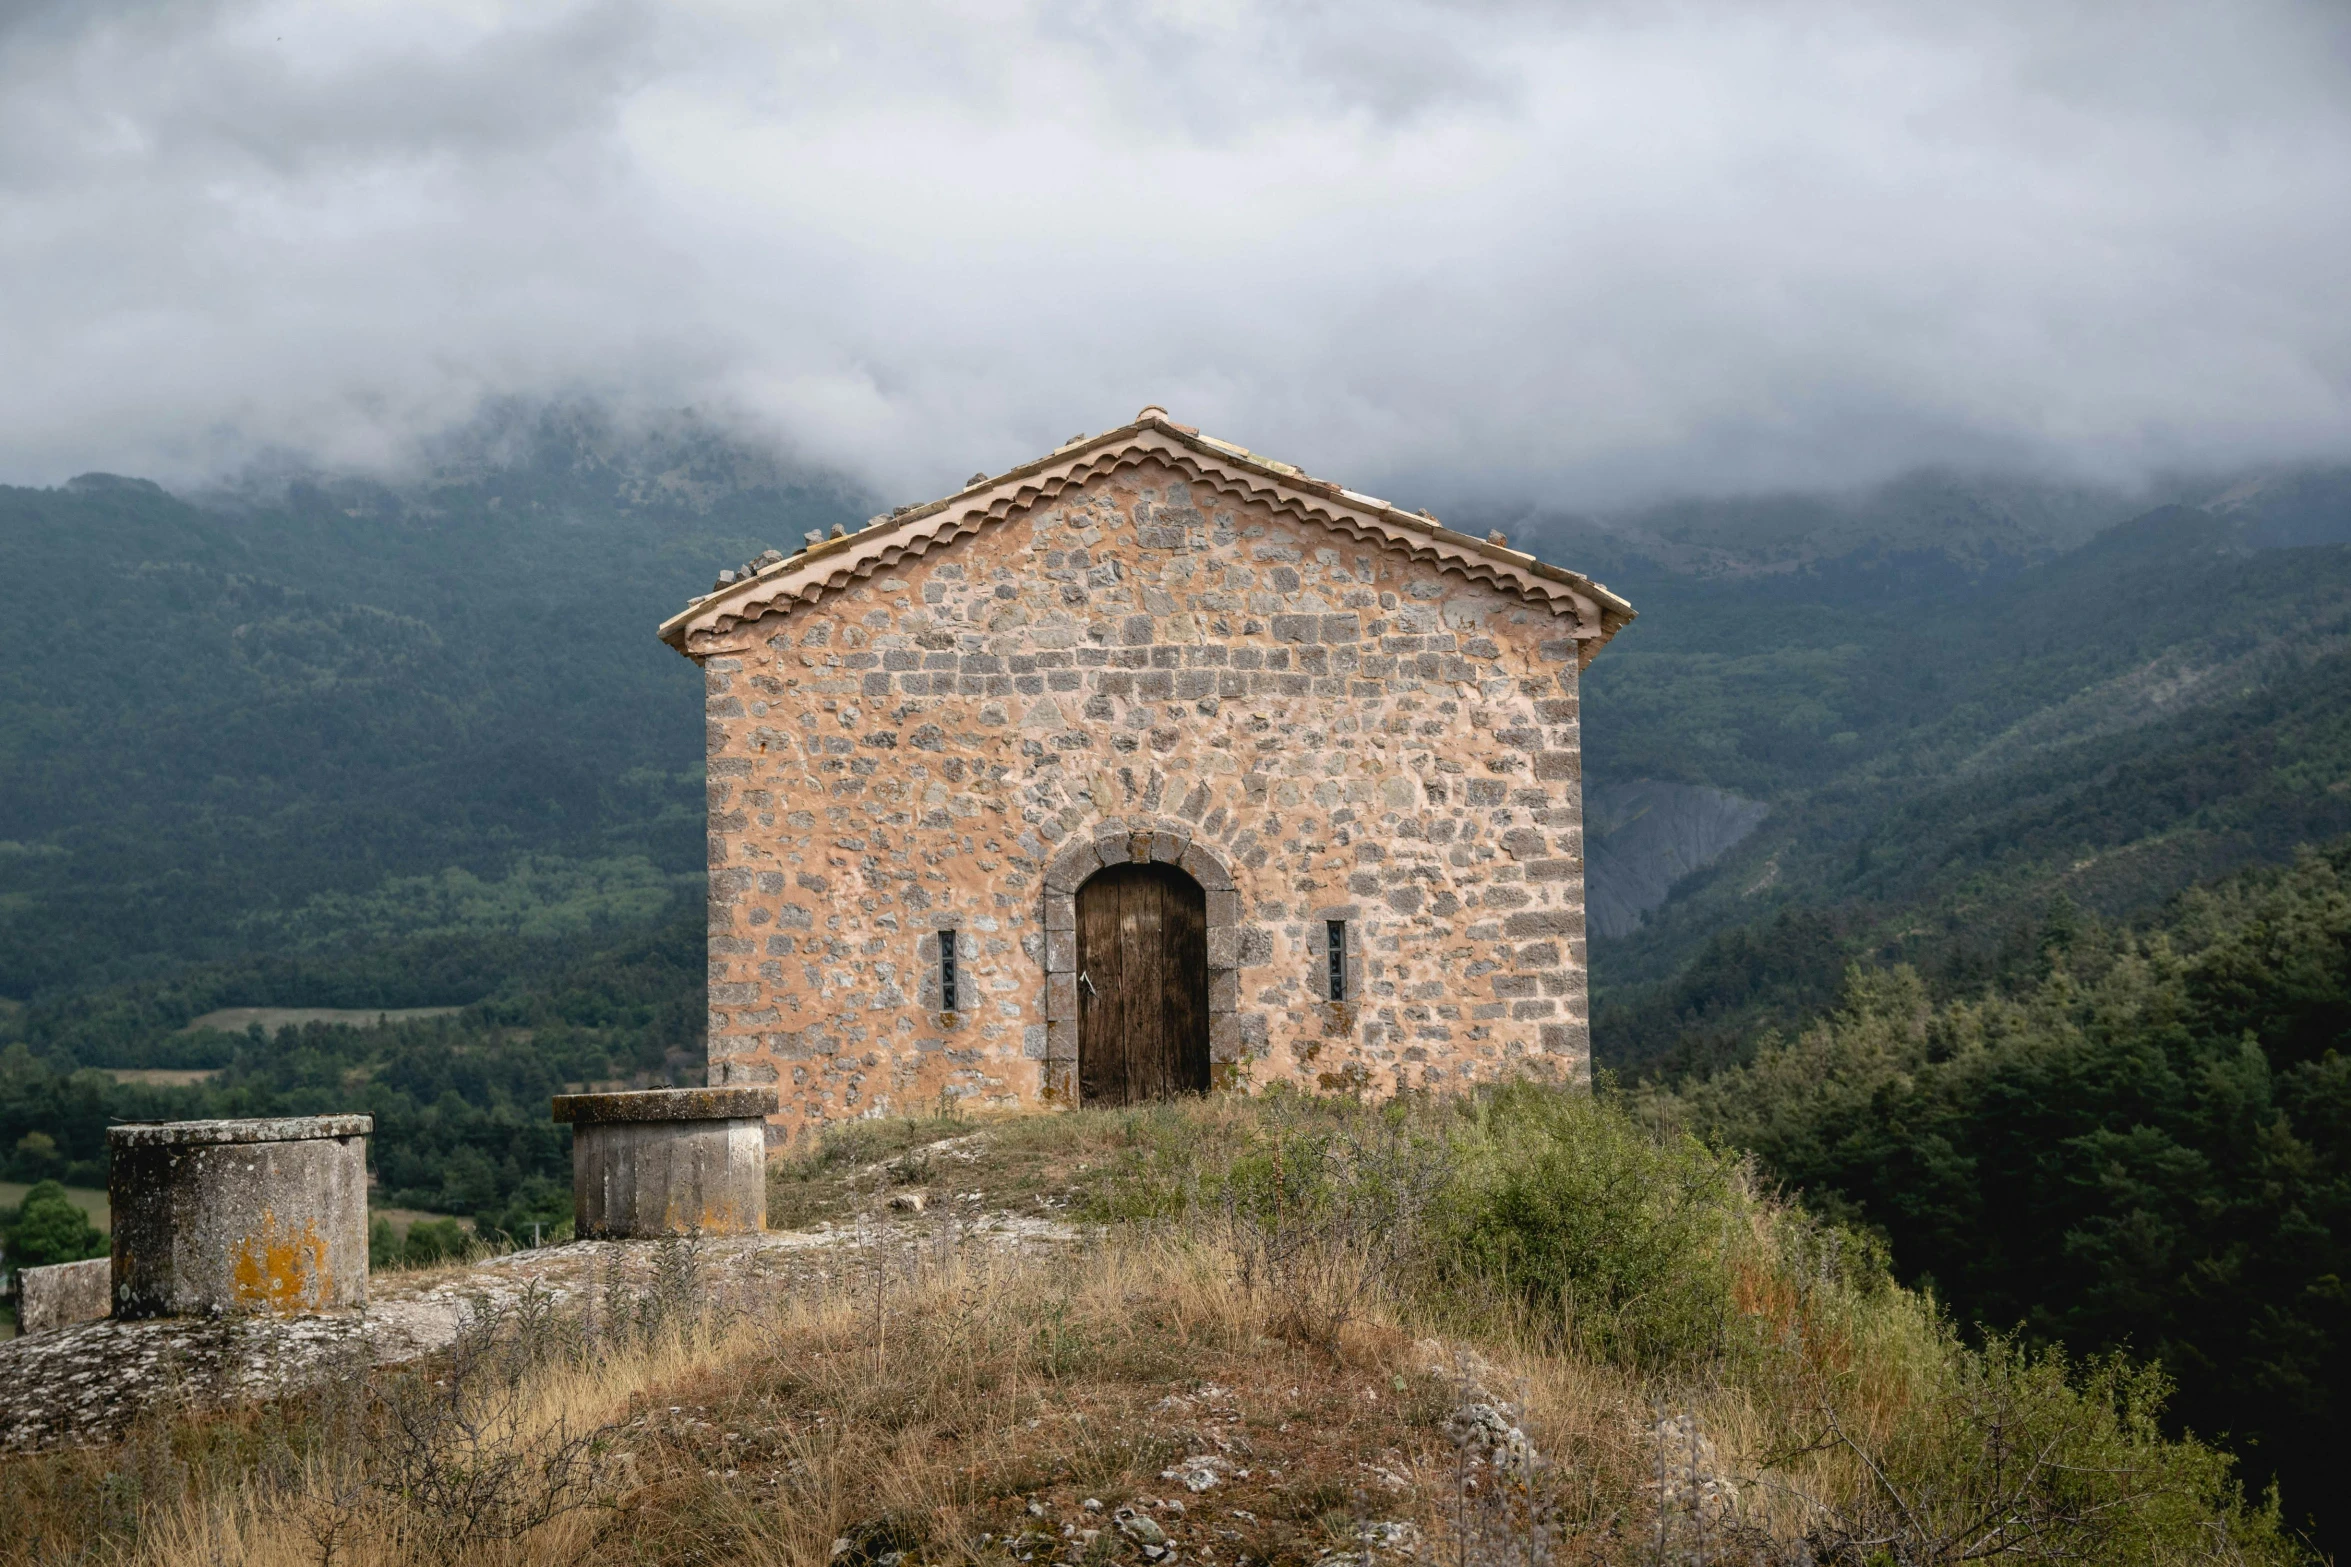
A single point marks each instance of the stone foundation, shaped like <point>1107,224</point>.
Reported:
<point>670,1161</point>
<point>235,1216</point>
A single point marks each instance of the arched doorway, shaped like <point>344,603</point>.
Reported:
<point>1142,985</point>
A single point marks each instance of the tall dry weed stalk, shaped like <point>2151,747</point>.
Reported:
<point>450,1458</point>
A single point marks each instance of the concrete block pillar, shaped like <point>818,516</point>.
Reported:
<point>668,1161</point>
<point>231,1216</point>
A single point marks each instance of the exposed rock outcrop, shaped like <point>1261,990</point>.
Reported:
<point>1642,837</point>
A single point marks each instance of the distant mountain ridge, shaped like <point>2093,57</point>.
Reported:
<point>1974,523</point>
<point>575,457</point>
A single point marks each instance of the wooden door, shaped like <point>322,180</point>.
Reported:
<point>1142,985</point>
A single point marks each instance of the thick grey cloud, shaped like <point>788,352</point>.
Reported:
<point>1588,252</point>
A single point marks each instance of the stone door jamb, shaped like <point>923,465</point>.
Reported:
<point>1069,871</point>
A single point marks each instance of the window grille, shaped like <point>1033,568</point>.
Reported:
<point>947,971</point>
<point>1336,932</point>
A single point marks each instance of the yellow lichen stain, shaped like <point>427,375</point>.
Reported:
<point>281,1271</point>
<point>709,1218</point>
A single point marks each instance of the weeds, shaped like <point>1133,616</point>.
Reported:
<point>449,1458</point>
<point>1615,1239</point>
<point>1331,1211</point>
<point>2006,1456</point>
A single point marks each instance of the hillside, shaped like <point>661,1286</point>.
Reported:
<point>364,747</point>
<point>414,746</point>
<point>1942,752</point>
<point>2135,1139</point>
<point>314,714</point>
<point>460,1101</point>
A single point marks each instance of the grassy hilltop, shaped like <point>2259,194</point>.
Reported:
<point>1516,1328</point>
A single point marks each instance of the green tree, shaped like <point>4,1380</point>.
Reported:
<point>48,1228</point>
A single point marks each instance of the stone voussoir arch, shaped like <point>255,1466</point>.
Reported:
<point>1162,842</point>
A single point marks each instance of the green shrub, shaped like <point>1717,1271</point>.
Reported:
<point>383,1244</point>
<point>1610,1235</point>
<point>432,1240</point>
<point>2002,1453</point>
<point>424,1243</point>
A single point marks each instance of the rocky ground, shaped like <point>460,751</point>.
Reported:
<point>88,1382</point>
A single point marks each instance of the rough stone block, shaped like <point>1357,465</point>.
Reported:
<point>64,1293</point>
<point>239,1216</point>
<point>1204,868</point>
<point>1540,922</point>
<point>669,1161</point>
<point>1224,990</point>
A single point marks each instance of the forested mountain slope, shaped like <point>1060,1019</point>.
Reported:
<point>460,1103</point>
<point>336,713</point>
<point>1943,751</point>
<point>2137,1140</point>
<point>313,715</point>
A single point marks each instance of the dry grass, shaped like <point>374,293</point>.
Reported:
<point>1044,1165</point>
<point>948,1411</point>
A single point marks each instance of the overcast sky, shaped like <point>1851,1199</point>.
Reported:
<point>1587,252</point>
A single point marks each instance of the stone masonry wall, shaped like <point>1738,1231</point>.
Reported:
<point>1140,669</point>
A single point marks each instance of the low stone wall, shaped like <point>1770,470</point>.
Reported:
<point>63,1294</point>
<point>668,1161</point>
<point>239,1216</point>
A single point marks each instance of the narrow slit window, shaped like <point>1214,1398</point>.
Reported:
<point>1336,932</point>
<point>947,971</point>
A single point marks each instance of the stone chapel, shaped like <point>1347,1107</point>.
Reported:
<point>1152,766</point>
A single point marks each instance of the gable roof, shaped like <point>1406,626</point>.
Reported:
<point>831,565</point>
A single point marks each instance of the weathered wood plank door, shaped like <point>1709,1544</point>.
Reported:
<point>1142,985</point>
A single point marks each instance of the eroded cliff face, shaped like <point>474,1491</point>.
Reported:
<point>1315,728</point>
<point>1646,835</point>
